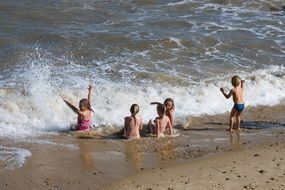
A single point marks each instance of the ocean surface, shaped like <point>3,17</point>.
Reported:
<point>134,52</point>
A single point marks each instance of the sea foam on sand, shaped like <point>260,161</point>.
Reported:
<point>13,157</point>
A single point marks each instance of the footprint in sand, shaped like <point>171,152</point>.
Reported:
<point>261,171</point>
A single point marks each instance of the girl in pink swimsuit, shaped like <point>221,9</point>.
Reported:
<point>84,112</point>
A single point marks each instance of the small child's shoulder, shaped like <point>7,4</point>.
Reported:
<point>157,118</point>
<point>128,119</point>
<point>237,88</point>
<point>166,118</point>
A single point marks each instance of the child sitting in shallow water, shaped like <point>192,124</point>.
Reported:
<point>161,123</point>
<point>84,112</point>
<point>237,93</point>
<point>169,105</point>
<point>133,123</point>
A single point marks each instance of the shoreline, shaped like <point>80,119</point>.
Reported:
<point>64,161</point>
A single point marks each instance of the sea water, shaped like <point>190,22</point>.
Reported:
<point>134,52</point>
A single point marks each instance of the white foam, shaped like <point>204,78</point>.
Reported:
<point>39,110</point>
<point>221,139</point>
<point>180,2</point>
<point>52,143</point>
<point>29,98</point>
<point>13,157</point>
<point>177,41</point>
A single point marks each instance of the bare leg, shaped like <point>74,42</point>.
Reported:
<point>151,126</point>
<point>232,118</point>
<point>235,124</point>
<point>238,119</point>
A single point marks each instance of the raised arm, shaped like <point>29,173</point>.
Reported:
<point>227,96</point>
<point>155,103</point>
<point>76,110</point>
<point>90,93</point>
<point>242,81</point>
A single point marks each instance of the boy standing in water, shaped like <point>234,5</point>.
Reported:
<point>237,93</point>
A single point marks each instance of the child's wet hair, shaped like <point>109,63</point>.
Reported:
<point>85,102</point>
<point>161,109</point>
<point>169,100</point>
<point>134,109</point>
<point>236,80</point>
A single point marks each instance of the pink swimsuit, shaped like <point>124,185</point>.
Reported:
<point>83,125</point>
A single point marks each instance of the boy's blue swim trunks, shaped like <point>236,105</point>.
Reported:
<point>239,107</point>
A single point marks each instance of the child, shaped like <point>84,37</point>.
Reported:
<point>84,112</point>
<point>169,104</point>
<point>160,123</point>
<point>237,93</point>
<point>133,123</point>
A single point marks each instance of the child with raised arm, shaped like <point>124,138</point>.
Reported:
<point>133,123</point>
<point>84,112</point>
<point>237,93</point>
<point>160,123</point>
<point>169,105</point>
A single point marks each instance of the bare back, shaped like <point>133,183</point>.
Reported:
<point>133,127</point>
<point>84,115</point>
<point>238,95</point>
<point>170,115</point>
<point>161,124</point>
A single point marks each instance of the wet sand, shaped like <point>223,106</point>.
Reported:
<point>260,167</point>
<point>204,155</point>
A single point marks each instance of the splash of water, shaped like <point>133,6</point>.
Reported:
<point>35,107</point>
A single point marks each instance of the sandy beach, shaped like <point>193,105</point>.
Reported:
<point>203,156</point>
<point>138,52</point>
<point>259,167</point>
